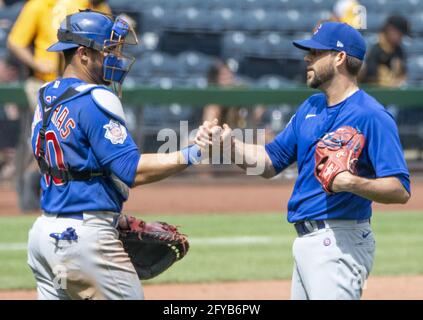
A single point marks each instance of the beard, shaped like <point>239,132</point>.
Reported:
<point>322,77</point>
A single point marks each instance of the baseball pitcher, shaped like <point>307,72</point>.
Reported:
<point>348,153</point>
<point>81,247</point>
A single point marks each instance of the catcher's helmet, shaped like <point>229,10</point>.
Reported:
<point>99,32</point>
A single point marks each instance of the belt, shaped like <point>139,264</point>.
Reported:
<point>309,226</point>
<point>306,227</point>
<point>77,215</point>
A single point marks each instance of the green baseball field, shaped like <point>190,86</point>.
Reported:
<point>235,247</point>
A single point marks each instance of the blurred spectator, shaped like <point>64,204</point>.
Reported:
<point>8,71</point>
<point>385,63</point>
<point>351,12</point>
<point>221,75</point>
<point>33,32</point>
<point>9,122</point>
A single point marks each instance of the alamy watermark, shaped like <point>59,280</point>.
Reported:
<point>60,279</point>
<point>360,17</point>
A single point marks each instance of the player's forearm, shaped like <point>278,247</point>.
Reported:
<point>252,156</point>
<point>157,166</point>
<point>382,190</point>
<point>23,54</point>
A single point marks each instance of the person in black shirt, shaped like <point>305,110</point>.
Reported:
<point>386,61</point>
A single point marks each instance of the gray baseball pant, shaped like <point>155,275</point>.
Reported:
<point>333,263</point>
<point>94,266</point>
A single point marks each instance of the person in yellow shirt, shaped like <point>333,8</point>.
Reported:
<point>33,32</point>
<point>37,25</point>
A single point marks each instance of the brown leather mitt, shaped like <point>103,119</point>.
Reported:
<point>152,247</point>
<point>338,151</point>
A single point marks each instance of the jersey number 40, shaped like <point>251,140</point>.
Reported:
<point>54,156</point>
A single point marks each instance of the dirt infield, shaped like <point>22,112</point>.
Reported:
<point>247,195</point>
<point>378,288</point>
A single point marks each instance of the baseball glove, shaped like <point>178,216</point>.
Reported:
<point>152,247</point>
<point>338,151</point>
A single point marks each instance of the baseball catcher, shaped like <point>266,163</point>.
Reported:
<point>89,161</point>
<point>337,151</point>
<point>152,247</point>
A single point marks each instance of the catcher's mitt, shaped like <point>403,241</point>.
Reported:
<point>338,151</point>
<point>152,247</point>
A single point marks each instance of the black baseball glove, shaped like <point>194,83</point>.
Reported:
<point>152,247</point>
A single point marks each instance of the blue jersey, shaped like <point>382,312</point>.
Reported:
<point>83,135</point>
<point>382,155</point>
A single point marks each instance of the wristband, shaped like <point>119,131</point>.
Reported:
<point>192,154</point>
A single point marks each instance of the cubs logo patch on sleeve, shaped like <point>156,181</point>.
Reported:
<point>115,132</point>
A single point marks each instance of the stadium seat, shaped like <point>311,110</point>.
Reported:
<point>123,5</point>
<point>313,19</point>
<point>149,40</point>
<point>294,21</point>
<point>275,5</point>
<point>270,45</point>
<point>178,4</point>
<point>286,21</point>
<point>158,117</point>
<point>155,64</point>
<point>253,4</point>
<point>254,20</point>
<point>141,5</point>
<point>169,116</point>
<point>403,7</point>
<point>194,82</point>
<point>236,22</point>
<point>375,21</point>
<point>279,46</point>
<point>274,82</point>
<point>3,39</point>
<point>305,6</point>
<point>415,70</point>
<point>174,42</point>
<point>413,46</point>
<point>8,16</point>
<point>224,19</point>
<point>153,19</point>
<point>416,22</point>
<point>215,4</point>
<point>188,19</point>
<point>233,43</point>
<point>255,46</point>
<point>256,67</point>
<point>193,64</point>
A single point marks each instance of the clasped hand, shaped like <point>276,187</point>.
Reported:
<point>210,134</point>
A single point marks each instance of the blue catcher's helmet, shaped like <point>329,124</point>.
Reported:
<point>99,32</point>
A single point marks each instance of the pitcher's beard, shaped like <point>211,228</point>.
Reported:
<point>318,79</point>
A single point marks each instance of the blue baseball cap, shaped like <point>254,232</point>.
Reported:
<point>335,36</point>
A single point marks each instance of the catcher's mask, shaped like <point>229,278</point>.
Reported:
<point>102,33</point>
